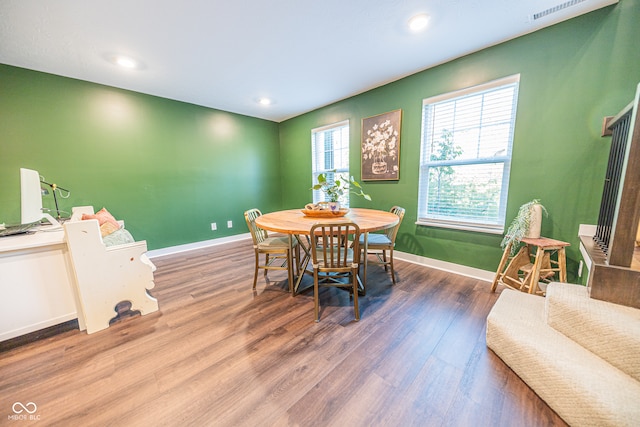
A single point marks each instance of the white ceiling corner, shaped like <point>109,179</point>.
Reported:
<point>226,55</point>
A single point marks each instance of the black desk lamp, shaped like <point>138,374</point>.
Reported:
<point>55,187</point>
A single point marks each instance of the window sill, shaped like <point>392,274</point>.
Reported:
<point>463,226</point>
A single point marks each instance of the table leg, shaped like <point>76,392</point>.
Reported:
<point>290,264</point>
<point>365,252</point>
<point>361,289</point>
<point>303,264</point>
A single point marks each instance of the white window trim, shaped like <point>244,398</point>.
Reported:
<point>330,126</point>
<point>460,225</point>
<point>339,124</point>
<point>473,89</point>
<point>506,160</point>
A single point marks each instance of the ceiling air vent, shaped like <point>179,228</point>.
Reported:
<point>555,9</point>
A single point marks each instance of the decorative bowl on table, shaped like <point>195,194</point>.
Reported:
<point>325,213</point>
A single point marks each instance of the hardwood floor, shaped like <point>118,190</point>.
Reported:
<point>220,354</point>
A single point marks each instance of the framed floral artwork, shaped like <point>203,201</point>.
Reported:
<point>381,147</point>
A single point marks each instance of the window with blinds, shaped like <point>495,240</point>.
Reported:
<point>329,151</point>
<point>467,139</point>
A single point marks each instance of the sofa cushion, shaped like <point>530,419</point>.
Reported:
<point>108,224</point>
<point>581,387</point>
<point>609,330</point>
<point>118,237</point>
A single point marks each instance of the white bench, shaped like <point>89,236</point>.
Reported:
<point>106,276</point>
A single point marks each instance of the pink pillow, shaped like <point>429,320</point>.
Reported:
<point>108,224</point>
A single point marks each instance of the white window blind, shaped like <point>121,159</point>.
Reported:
<point>330,150</point>
<point>467,139</point>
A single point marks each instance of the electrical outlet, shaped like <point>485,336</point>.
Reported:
<point>229,224</point>
<point>214,226</point>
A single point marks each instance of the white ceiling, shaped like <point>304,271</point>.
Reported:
<point>227,54</point>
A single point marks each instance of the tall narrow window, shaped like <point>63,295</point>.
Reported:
<point>467,139</point>
<point>330,151</point>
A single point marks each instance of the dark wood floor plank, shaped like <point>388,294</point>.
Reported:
<point>219,353</point>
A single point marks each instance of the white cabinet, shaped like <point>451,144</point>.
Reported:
<point>36,283</point>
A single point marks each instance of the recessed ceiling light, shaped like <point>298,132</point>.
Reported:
<point>264,101</point>
<point>126,62</point>
<point>123,61</point>
<point>419,22</point>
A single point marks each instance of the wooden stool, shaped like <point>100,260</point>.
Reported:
<point>523,272</point>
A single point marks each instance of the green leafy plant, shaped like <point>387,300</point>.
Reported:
<point>441,178</point>
<point>520,225</point>
<point>338,187</point>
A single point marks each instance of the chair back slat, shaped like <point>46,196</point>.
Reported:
<point>330,245</point>
<point>257,234</point>
<point>393,231</point>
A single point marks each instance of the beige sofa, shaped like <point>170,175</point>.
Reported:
<point>580,355</point>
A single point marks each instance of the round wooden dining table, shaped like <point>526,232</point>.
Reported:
<point>295,223</point>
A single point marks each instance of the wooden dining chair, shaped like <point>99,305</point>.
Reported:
<point>335,262</point>
<point>278,255</point>
<point>383,242</point>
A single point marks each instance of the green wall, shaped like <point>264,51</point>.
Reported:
<point>167,168</point>
<point>572,75</point>
<point>170,169</point>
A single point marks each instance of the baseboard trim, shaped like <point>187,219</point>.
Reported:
<point>449,267</point>
<point>172,250</point>
<point>36,328</point>
<point>17,341</point>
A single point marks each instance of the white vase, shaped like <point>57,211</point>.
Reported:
<point>535,222</point>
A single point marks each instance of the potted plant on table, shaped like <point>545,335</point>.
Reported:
<point>335,189</point>
<point>527,223</point>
